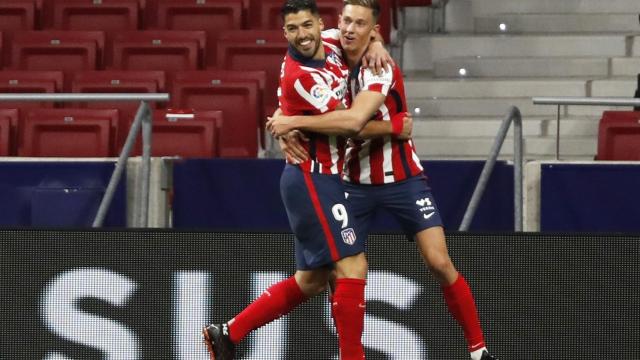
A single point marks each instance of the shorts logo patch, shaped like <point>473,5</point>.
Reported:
<point>348,236</point>
<point>423,202</point>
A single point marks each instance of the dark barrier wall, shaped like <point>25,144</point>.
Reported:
<point>144,295</point>
<point>58,194</point>
<point>245,195</point>
<point>590,197</point>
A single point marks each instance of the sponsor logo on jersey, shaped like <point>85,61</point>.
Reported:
<point>320,93</point>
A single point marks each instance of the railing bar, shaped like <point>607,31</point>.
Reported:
<point>517,169</point>
<point>146,169</point>
<point>120,166</point>
<point>558,134</point>
<point>67,97</point>
<point>514,114</point>
<point>593,101</point>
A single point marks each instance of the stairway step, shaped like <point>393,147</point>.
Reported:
<point>456,127</point>
<point>479,148</point>
<point>522,67</point>
<point>488,7</point>
<point>625,66</point>
<point>557,23</point>
<point>494,87</point>
<point>422,50</point>
<point>614,87</point>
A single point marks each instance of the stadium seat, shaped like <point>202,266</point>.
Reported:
<point>28,82</point>
<point>211,17</point>
<point>237,99</point>
<point>4,56</point>
<point>67,132</point>
<point>161,50</point>
<point>265,14</point>
<point>66,51</point>
<point>619,136</point>
<point>240,50</point>
<point>111,15</point>
<point>118,82</point>
<point>15,15</point>
<point>8,123</point>
<point>187,138</point>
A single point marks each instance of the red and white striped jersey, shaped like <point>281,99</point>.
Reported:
<point>312,87</point>
<point>384,159</point>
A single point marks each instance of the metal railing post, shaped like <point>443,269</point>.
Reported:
<point>146,168</point>
<point>515,117</point>
<point>143,110</point>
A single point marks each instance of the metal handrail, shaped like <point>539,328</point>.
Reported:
<point>142,119</point>
<point>582,101</point>
<point>512,116</point>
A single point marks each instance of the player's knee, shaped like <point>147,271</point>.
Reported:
<point>440,266</point>
<point>313,288</point>
<point>353,267</point>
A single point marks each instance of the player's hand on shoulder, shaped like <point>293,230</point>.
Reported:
<point>377,58</point>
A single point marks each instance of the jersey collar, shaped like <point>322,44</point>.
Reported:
<point>309,62</point>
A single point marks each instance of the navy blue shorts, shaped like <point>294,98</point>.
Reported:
<point>320,218</point>
<point>409,201</point>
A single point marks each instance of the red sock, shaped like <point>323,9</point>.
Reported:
<point>463,308</point>
<point>348,312</point>
<point>276,301</point>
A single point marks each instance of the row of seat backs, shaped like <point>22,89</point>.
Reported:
<point>238,94</point>
<point>166,51</point>
<point>619,136</point>
<point>212,16</point>
<point>151,14</point>
<point>90,132</point>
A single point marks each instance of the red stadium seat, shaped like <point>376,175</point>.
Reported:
<point>168,51</point>
<point>619,136</point>
<point>4,56</point>
<point>211,17</point>
<point>255,50</point>
<point>66,51</point>
<point>5,129</point>
<point>28,82</point>
<point>187,138</point>
<point>67,132</point>
<point>15,15</point>
<point>112,15</point>
<point>265,14</point>
<point>118,82</point>
<point>8,123</point>
<point>238,100</point>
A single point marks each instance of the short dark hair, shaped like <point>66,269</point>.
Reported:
<point>374,5</point>
<point>295,6</point>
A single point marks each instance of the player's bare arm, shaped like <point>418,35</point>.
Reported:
<point>400,126</point>
<point>344,122</point>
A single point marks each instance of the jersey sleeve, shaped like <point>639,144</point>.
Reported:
<point>378,83</point>
<point>331,36</point>
<point>314,92</point>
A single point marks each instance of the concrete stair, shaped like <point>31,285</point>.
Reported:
<point>422,50</point>
<point>491,7</point>
<point>557,23</point>
<point>548,48</point>
<point>526,67</point>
